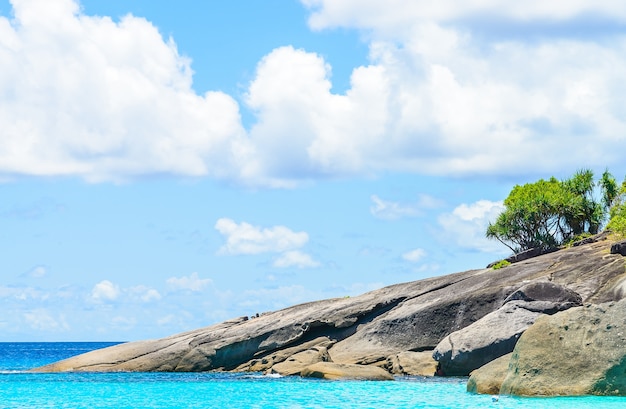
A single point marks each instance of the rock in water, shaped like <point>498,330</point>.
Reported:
<point>497,333</point>
<point>488,378</point>
<point>580,351</point>
<point>333,371</point>
<point>412,363</point>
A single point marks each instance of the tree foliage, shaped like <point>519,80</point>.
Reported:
<point>548,213</point>
<point>615,200</point>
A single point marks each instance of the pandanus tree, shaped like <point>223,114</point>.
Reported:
<point>547,213</point>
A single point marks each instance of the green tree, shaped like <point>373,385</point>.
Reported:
<point>581,212</point>
<point>547,213</point>
<point>614,199</point>
<point>531,217</point>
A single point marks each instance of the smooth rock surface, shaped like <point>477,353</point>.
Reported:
<point>412,363</point>
<point>496,334</point>
<point>488,378</point>
<point>333,371</point>
<point>296,363</point>
<point>367,329</point>
<point>580,351</point>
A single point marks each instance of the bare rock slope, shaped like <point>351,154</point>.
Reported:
<point>368,329</point>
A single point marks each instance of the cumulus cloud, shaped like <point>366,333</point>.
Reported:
<point>193,282</point>
<point>244,238</point>
<point>104,99</point>
<point>462,103</point>
<point>375,14</point>
<point>415,255</point>
<point>467,223</point>
<point>105,291</point>
<point>295,258</point>
<point>113,100</point>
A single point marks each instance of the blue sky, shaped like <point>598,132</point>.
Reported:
<point>165,166</point>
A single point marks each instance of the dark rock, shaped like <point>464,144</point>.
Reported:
<point>531,253</point>
<point>546,291</point>
<point>619,248</point>
<point>592,239</point>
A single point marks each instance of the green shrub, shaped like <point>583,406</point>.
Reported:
<point>501,264</point>
<point>617,223</point>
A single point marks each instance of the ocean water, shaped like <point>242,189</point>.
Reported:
<point>21,389</point>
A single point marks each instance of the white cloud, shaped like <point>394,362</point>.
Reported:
<point>37,272</point>
<point>113,100</point>
<point>42,320</point>
<point>295,258</point>
<point>23,293</point>
<point>193,282</point>
<point>145,294</point>
<point>467,224</point>
<point>391,14</point>
<point>104,100</point>
<point>105,291</point>
<point>244,238</point>
<point>391,210</point>
<point>414,255</point>
<point>388,210</point>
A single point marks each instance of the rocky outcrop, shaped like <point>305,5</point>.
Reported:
<point>266,364</point>
<point>333,371</point>
<point>581,351</point>
<point>297,362</point>
<point>497,333</point>
<point>488,378</point>
<point>412,363</point>
<point>364,330</point>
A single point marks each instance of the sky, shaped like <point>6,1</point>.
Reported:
<point>165,166</point>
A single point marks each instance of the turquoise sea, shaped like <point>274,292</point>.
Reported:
<point>20,389</point>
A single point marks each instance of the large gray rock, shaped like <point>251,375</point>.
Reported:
<point>580,351</point>
<point>367,329</point>
<point>496,334</point>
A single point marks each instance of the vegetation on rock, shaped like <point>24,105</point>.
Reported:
<point>615,200</point>
<point>501,264</point>
<point>549,213</point>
